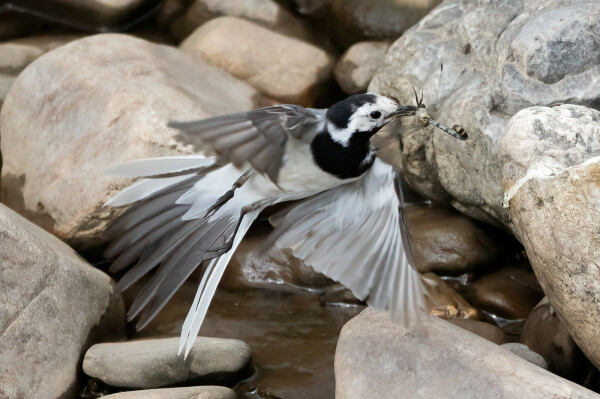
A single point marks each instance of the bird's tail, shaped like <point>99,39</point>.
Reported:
<point>188,214</point>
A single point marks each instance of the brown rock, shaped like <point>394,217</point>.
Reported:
<point>446,241</point>
<point>267,13</point>
<point>277,268</point>
<point>64,122</point>
<point>444,302</point>
<point>485,330</point>
<point>545,334</point>
<point>358,65</point>
<point>280,67</point>
<point>54,305</point>
<point>510,293</point>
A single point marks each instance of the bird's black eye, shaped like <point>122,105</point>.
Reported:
<point>375,114</point>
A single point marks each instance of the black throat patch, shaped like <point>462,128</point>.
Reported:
<point>343,162</point>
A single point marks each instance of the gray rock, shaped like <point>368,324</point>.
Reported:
<point>93,103</point>
<point>153,363</point>
<point>525,353</point>
<point>376,358</point>
<point>356,68</point>
<point>497,58</point>
<point>54,306</point>
<point>204,392</point>
<point>446,241</point>
<point>280,67</point>
<point>550,176</point>
<point>267,13</point>
<point>357,20</point>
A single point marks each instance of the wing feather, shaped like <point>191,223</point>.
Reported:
<point>241,137</point>
<point>355,234</point>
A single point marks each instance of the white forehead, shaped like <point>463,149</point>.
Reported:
<point>381,103</point>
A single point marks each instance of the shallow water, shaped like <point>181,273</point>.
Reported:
<point>292,336</point>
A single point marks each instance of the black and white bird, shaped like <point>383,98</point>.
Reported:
<point>193,211</point>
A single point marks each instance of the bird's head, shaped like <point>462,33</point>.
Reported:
<point>362,114</point>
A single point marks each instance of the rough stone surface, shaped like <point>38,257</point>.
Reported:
<point>446,241</point>
<point>93,103</point>
<point>551,174</point>
<point>498,58</point>
<point>267,13</point>
<point>276,269</point>
<point>205,392</point>
<point>155,363</point>
<point>376,358</point>
<point>356,20</point>
<point>281,67</point>
<point>54,305</point>
<point>358,65</point>
<point>525,353</point>
<point>545,334</point>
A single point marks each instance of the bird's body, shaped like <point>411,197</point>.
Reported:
<point>193,211</point>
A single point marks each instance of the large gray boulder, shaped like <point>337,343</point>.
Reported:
<point>53,306</point>
<point>93,103</point>
<point>376,358</point>
<point>203,392</point>
<point>498,58</point>
<point>551,180</point>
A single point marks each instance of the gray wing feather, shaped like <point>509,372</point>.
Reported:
<point>257,137</point>
<point>355,234</point>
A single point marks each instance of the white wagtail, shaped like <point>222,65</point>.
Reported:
<point>193,211</point>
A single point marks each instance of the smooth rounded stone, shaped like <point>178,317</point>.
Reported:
<point>276,269</point>
<point>280,67</point>
<point>545,334</point>
<point>356,20</point>
<point>376,358</point>
<point>54,306</point>
<point>15,55</point>
<point>204,392</point>
<point>443,240</point>
<point>444,302</point>
<point>525,353</point>
<point>6,83</point>
<point>267,13</point>
<point>153,363</point>
<point>356,68</point>
<point>553,192</point>
<point>510,293</point>
<point>498,58</point>
<point>96,102</point>
<point>485,330</point>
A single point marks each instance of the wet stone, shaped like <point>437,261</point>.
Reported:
<point>155,363</point>
<point>510,293</point>
<point>485,330</point>
<point>545,334</point>
<point>444,302</point>
<point>445,241</point>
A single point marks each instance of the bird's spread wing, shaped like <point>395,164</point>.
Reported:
<point>257,137</point>
<point>356,234</point>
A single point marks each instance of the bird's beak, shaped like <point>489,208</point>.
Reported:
<point>404,110</point>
